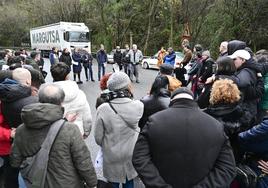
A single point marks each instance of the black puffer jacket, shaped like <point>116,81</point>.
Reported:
<point>206,69</point>
<point>232,116</point>
<point>118,57</point>
<point>234,119</point>
<point>153,104</point>
<point>183,147</point>
<point>69,162</point>
<point>66,58</point>
<point>125,58</point>
<point>14,97</point>
<point>251,86</point>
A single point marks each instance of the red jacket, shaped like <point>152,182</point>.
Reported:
<point>5,142</point>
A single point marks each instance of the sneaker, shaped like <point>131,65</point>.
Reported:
<point>79,82</point>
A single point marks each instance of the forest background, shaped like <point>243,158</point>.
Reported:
<point>150,23</point>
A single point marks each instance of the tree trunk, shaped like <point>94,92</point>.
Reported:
<point>170,43</point>
<point>150,20</point>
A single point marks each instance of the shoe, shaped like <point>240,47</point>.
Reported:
<point>87,80</point>
<point>79,82</point>
<point>137,81</point>
<point>93,80</point>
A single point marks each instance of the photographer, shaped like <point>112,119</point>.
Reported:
<point>116,131</point>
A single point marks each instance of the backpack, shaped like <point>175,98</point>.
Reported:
<point>174,83</point>
<point>34,168</point>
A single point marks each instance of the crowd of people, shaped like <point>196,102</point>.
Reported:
<point>208,131</point>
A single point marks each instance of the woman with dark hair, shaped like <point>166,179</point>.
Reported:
<point>157,100</point>
<point>77,67</point>
<point>225,68</point>
<point>66,57</point>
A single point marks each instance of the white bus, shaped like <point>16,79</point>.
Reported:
<point>60,35</point>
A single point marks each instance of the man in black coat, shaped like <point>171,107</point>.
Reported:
<point>206,69</point>
<point>126,60</point>
<point>249,81</point>
<point>118,57</point>
<point>183,147</point>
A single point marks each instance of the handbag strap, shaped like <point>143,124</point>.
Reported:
<point>115,111</point>
<point>52,133</point>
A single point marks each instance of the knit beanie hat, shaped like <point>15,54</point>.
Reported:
<point>118,81</point>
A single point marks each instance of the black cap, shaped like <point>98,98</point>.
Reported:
<point>166,68</point>
<point>180,91</point>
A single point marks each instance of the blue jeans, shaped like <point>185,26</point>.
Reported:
<point>21,182</point>
<point>128,184</point>
<point>101,67</point>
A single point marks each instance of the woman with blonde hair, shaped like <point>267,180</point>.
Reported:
<point>225,107</point>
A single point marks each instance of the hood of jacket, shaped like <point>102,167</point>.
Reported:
<point>235,45</point>
<point>227,112</point>
<point>39,115</point>
<point>70,89</point>
<point>232,117</point>
<point>11,90</point>
<point>74,98</point>
<point>252,65</point>
<point>171,54</point>
<point>162,93</point>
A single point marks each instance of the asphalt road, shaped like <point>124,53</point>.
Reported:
<point>92,91</point>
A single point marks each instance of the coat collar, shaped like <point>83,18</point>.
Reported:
<point>183,103</point>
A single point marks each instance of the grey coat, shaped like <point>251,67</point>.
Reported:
<point>138,56</point>
<point>117,139</point>
<point>69,162</point>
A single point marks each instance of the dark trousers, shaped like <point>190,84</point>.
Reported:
<point>120,66</point>
<point>8,175</point>
<point>126,69</point>
<point>88,71</point>
<point>134,71</point>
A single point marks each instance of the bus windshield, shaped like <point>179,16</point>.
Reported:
<point>76,36</point>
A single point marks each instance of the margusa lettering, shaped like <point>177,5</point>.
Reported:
<point>46,37</point>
